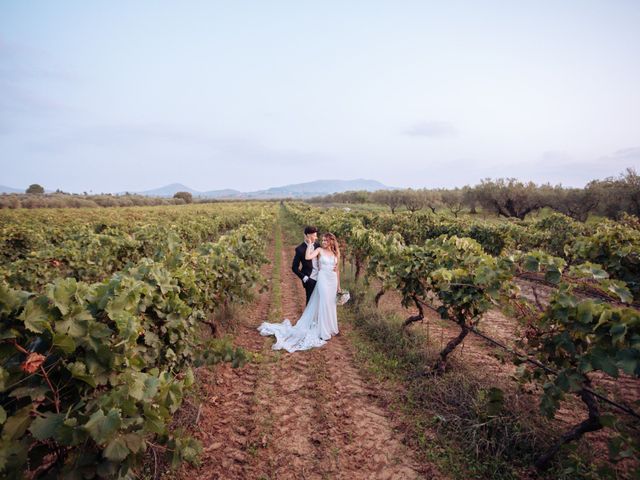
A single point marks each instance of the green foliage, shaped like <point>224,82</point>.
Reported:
<point>34,188</point>
<point>617,249</point>
<point>186,196</point>
<point>38,246</point>
<point>423,258</point>
<point>94,372</point>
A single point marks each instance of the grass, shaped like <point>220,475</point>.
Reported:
<point>293,232</point>
<point>275,309</point>
<point>264,423</point>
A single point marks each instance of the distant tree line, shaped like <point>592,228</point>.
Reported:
<point>611,197</point>
<point>36,198</point>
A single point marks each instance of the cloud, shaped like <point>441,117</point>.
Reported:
<point>431,129</point>
<point>555,157</point>
<point>21,80</point>
<point>19,63</point>
<point>156,154</point>
<point>631,154</point>
<point>118,136</point>
<point>155,140</point>
<point>562,167</point>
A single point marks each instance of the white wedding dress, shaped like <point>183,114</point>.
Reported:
<point>318,322</point>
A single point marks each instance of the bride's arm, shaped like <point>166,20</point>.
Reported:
<point>338,272</point>
<point>309,254</point>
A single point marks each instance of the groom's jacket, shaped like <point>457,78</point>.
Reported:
<point>302,267</point>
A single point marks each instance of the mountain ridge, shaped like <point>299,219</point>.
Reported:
<point>296,190</point>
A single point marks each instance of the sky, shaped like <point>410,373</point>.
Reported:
<point>112,96</point>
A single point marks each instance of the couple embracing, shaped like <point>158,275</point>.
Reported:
<point>317,265</point>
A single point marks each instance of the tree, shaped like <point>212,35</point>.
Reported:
<point>470,198</point>
<point>454,199</point>
<point>510,197</point>
<point>35,189</point>
<point>631,182</point>
<point>431,199</point>
<point>411,199</point>
<point>186,196</point>
<point>387,197</point>
<point>618,195</point>
<point>576,203</point>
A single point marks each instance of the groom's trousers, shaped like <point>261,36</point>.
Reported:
<point>309,285</point>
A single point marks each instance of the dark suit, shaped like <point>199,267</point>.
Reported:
<point>302,267</point>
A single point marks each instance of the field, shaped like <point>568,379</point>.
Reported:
<point>472,348</point>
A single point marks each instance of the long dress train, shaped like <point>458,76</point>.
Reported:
<point>318,322</point>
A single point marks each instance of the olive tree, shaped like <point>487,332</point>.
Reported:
<point>509,197</point>
<point>454,200</point>
<point>35,189</point>
<point>186,196</point>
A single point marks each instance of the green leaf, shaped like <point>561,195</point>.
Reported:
<point>101,427</point>
<point>629,361</point>
<point>598,273</point>
<point>61,294</point>
<point>608,420</point>
<point>605,317</point>
<point>136,385</point>
<point>552,275</point>
<point>151,384</point>
<point>153,422</point>
<point>531,264</point>
<point>127,323</point>
<point>35,316</point>
<point>621,291</point>
<point>189,378</point>
<point>36,393</point>
<point>562,381</point>
<point>615,446</point>
<point>135,442</point>
<point>585,365</point>
<point>163,278</point>
<point>79,370</point>
<point>10,300</point>
<point>64,343</point>
<point>575,382</point>
<point>4,376</point>
<point>116,450</point>
<point>605,363</point>
<point>584,312</point>
<point>47,426</point>
<point>3,415</point>
<point>618,332</point>
<point>17,424</point>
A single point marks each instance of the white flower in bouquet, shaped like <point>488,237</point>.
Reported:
<point>342,297</point>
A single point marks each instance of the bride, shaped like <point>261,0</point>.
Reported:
<point>319,321</point>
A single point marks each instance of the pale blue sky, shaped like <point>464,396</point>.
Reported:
<point>123,95</point>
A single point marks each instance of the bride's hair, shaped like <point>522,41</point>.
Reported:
<point>333,243</point>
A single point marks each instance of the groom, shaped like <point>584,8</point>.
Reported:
<point>307,270</point>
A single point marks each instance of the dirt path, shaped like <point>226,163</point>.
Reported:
<point>306,415</point>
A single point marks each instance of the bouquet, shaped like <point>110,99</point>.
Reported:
<point>342,297</point>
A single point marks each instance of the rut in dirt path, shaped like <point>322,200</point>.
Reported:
<point>306,415</point>
<point>227,415</point>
